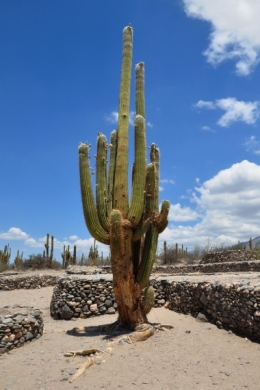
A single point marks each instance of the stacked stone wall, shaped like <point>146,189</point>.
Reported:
<point>240,266</point>
<point>18,327</point>
<point>81,298</point>
<point>27,282</point>
<point>236,306</point>
<point>228,256</point>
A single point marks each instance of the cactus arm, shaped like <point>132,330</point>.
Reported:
<point>150,190</point>
<point>139,89</point>
<point>138,182</point>
<point>162,219</point>
<point>148,256</point>
<point>158,221</point>
<point>121,170</point>
<point>111,171</point>
<point>89,209</point>
<point>137,198</point>
<point>148,299</point>
<point>101,181</point>
<point>155,159</point>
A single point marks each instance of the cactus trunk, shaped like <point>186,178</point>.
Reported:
<point>130,227</point>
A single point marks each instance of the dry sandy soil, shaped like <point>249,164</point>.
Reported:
<point>193,355</point>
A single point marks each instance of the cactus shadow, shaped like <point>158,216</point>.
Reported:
<point>107,331</point>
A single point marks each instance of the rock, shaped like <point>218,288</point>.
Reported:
<point>111,310</point>
<point>66,313</point>
<point>202,317</point>
<point>93,307</point>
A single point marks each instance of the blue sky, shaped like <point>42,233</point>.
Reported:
<point>59,84</point>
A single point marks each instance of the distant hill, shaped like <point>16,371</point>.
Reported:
<point>255,241</point>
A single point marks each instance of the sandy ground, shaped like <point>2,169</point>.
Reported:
<point>193,355</point>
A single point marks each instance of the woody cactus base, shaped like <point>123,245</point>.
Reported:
<point>131,228</point>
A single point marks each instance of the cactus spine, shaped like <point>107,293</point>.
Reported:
<point>131,228</point>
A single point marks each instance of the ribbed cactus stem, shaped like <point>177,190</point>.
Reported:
<point>111,171</point>
<point>90,213</point>
<point>101,181</point>
<point>149,296</point>
<point>47,245</point>
<point>137,198</point>
<point>139,90</point>
<point>121,171</point>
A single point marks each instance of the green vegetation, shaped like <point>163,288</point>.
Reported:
<point>4,258</point>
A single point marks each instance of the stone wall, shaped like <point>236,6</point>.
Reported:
<point>236,306</point>
<point>83,298</point>
<point>18,327</point>
<point>228,256</point>
<point>27,282</point>
<point>240,266</point>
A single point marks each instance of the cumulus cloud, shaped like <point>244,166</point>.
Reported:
<point>181,214</point>
<point>235,110</point>
<point>14,234</point>
<point>252,145</point>
<point>227,207</point>
<point>235,31</point>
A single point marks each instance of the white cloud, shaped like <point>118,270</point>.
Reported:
<point>178,213</point>
<point>252,145</point>
<point>203,104</point>
<point>32,243</point>
<point>228,208</point>
<point>161,188</point>
<point>207,128</point>
<point>236,110</point>
<point>73,238</point>
<point>113,118</point>
<point>167,181</point>
<point>149,124</point>
<point>14,234</point>
<point>235,30</point>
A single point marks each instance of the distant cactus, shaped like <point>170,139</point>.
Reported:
<point>5,257</point>
<point>67,257</point>
<point>250,244</point>
<point>18,261</point>
<point>49,257</point>
<point>131,228</point>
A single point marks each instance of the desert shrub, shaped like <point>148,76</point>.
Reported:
<point>39,262</point>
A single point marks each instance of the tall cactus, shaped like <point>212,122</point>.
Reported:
<point>47,246</point>
<point>131,228</point>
